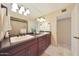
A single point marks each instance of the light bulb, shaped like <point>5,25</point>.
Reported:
<point>43,19</point>
<point>14,10</point>
<point>27,12</point>
<point>14,7</point>
<point>21,10</point>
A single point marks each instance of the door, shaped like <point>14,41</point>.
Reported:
<point>64,32</point>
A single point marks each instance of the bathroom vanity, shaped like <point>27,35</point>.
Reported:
<point>33,46</point>
<point>17,42</point>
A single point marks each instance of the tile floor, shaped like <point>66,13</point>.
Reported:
<point>57,51</point>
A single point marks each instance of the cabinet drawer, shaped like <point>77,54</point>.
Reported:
<point>20,53</point>
<point>33,50</point>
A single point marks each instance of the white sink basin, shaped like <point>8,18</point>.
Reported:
<point>20,38</point>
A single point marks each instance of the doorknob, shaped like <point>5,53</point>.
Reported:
<point>76,37</point>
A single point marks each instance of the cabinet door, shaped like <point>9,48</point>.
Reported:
<point>42,45</point>
<point>44,42</point>
<point>48,40</point>
<point>33,50</point>
<point>18,49</point>
<point>27,52</point>
<point>0,44</point>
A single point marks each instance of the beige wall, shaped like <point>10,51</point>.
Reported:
<point>75,29</point>
<point>52,18</point>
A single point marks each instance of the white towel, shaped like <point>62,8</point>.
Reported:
<point>2,14</point>
<point>4,23</point>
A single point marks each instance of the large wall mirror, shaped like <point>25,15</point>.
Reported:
<point>19,26</point>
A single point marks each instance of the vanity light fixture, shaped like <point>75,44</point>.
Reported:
<point>41,19</point>
<point>20,9</point>
<point>14,7</point>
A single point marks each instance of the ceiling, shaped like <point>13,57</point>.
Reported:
<point>40,9</point>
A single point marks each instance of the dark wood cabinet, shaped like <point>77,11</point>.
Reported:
<point>43,43</point>
<point>33,50</point>
<point>20,53</point>
<point>16,50</point>
<point>32,47</point>
<point>27,49</point>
